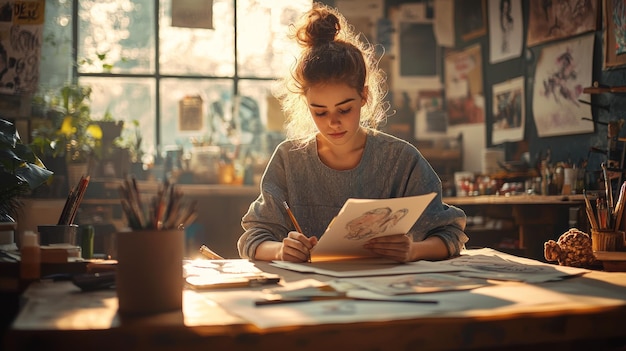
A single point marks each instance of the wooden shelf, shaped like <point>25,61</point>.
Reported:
<point>604,89</point>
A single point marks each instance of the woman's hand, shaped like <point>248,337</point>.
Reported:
<point>396,247</point>
<point>296,247</point>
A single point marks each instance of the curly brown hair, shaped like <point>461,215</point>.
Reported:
<point>332,52</point>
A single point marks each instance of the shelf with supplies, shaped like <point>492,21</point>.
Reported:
<point>525,222</point>
<point>445,155</point>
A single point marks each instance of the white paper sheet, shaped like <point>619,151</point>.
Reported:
<point>364,267</point>
<point>362,219</point>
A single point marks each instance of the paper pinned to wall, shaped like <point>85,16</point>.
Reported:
<point>192,14</point>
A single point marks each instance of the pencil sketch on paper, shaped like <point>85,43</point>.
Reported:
<point>417,283</point>
<point>364,219</point>
<point>374,222</point>
<point>562,71</point>
<point>506,30</point>
<point>494,264</point>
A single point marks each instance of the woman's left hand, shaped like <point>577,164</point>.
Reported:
<point>396,247</point>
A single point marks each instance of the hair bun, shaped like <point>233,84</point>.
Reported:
<point>322,28</point>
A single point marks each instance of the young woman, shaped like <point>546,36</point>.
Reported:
<point>334,102</point>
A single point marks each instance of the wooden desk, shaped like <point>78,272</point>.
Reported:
<point>587,315</point>
<point>538,218</point>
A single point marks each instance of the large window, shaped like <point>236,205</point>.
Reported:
<point>184,85</point>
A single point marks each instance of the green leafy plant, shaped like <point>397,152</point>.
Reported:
<point>21,170</point>
<point>68,130</point>
<point>131,140</point>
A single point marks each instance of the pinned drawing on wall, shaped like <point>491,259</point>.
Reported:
<point>363,15</point>
<point>508,111</point>
<point>614,33</point>
<point>465,98</point>
<point>21,37</point>
<point>192,14</point>
<point>562,71</point>
<point>552,20</point>
<point>416,55</point>
<point>443,24</point>
<point>506,30</point>
<point>190,113</point>
<point>474,14</point>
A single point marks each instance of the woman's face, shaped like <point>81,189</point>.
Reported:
<point>336,111</point>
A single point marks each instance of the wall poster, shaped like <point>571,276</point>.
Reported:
<point>464,86</point>
<point>415,52</point>
<point>562,71</point>
<point>21,36</point>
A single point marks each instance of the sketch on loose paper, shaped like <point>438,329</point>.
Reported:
<point>374,222</point>
<point>362,219</point>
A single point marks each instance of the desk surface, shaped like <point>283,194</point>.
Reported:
<point>587,313</point>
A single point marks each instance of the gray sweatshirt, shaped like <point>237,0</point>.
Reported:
<point>389,168</point>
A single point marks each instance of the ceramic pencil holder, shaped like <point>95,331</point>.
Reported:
<point>149,276</point>
<point>607,240</point>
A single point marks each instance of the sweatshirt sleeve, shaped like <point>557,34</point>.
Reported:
<point>265,220</point>
<point>439,219</point>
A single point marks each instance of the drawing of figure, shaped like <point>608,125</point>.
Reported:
<point>373,222</point>
<point>559,84</point>
<point>506,23</point>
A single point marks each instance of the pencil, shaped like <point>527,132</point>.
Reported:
<point>589,210</point>
<point>293,218</point>
<point>619,207</point>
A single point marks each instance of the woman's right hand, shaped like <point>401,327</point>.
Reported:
<point>296,247</point>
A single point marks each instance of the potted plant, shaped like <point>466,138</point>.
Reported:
<point>130,140</point>
<point>68,132</point>
<point>21,171</point>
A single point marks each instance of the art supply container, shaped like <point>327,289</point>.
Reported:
<point>87,235</point>
<point>607,240</point>
<point>149,275</point>
<point>58,234</point>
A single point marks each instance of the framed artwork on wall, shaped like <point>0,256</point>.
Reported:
<point>553,20</point>
<point>474,13</point>
<point>508,111</point>
<point>614,45</point>
<point>416,56</point>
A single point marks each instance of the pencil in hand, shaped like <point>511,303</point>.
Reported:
<point>292,217</point>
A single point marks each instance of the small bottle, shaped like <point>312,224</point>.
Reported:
<point>30,265</point>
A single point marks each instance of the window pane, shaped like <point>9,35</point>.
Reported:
<point>195,51</point>
<point>253,116</point>
<point>195,109</point>
<point>116,36</point>
<point>127,100</point>
<point>263,48</point>
<point>56,50</point>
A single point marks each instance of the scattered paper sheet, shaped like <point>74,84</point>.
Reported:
<point>364,267</point>
<point>417,283</point>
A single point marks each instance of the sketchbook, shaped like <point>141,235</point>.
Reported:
<point>360,220</point>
